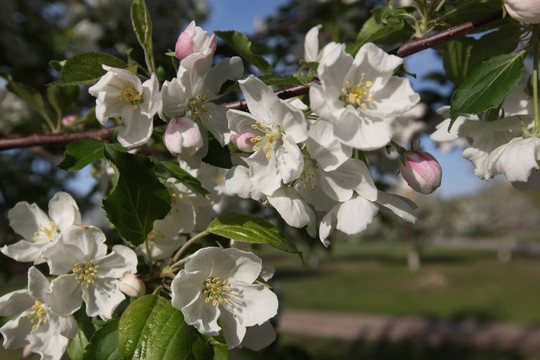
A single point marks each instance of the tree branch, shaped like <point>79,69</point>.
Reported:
<point>416,45</point>
<point>411,47</point>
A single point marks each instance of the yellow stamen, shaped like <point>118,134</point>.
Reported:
<point>132,96</point>
<point>357,95</point>
<point>217,291</point>
<point>86,273</point>
<point>39,315</point>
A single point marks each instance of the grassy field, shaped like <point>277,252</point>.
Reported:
<point>374,278</point>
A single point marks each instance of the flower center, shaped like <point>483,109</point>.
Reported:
<point>132,96</point>
<point>217,291</point>
<point>38,316</point>
<point>48,231</point>
<point>197,105</point>
<point>307,178</point>
<point>357,95</point>
<point>86,273</point>
<point>271,136</point>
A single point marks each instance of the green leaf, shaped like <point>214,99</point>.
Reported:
<point>77,345</point>
<point>488,85</point>
<point>456,59</point>
<point>185,178</point>
<point>138,198</point>
<point>251,229</point>
<point>78,154</point>
<point>62,98</point>
<point>104,343</point>
<point>86,68</point>
<point>30,95</point>
<point>152,329</point>
<point>217,155</point>
<point>142,25</point>
<point>242,45</point>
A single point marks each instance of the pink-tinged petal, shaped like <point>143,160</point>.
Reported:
<point>182,136</point>
<point>64,211</point>
<point>244,141</point>
<point>65,296</point>
<point>421,171</point>
<point>102,297</point>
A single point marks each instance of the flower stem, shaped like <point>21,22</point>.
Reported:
<point>186,245</point>
<point>535,86</point>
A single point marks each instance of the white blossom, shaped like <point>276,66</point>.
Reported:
<point>217,290</point>
<point>87,272</point>
<point>35,325</point>
<point>38,230</point>
<point>120,93</point>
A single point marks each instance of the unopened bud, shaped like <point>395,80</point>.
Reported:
<point>131,285</point>
<point>69,119</point>
<point>421,171</point>
<point>243,141</point>
<point>182,136</point>
<point>194,40</point>
<point>527,11</point>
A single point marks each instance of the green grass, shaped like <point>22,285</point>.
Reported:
<point>374,278</point>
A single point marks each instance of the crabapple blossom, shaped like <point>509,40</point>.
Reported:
<point>131,285</point>
<point>218,285</point>
<point>35,325</point>
<point>193,92</point>
<point>359,95</point>
<point>38,230</point>
<point>421,171</point>
<point>86,272</point>
<point>194,40</point>
<point>278,127</point>
<point>120,93</point>
<point>527,11</point>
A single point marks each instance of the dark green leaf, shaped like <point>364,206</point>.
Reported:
<point>251,229</point>
<point>30,95</point>
<point>242,45</point>
<point>142,25</point>
<point>62,98</point>
<point>77,345</point>
<point>488,85</point>
<point>86,68</point>
<point>138,198</point>
<point>456,58</point>
<point>104,343</point>
<point>217,155</point>
<point>152,329</point>
<point>78,154</point>
<point>185,178</point>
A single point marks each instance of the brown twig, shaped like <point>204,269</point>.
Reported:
<point>411,47</point>
<point>415,45</point>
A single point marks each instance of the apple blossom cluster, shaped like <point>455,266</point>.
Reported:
<point>509,146</point>
<point>307,159</point>
<point>296,157</point>
<point>86,272</point>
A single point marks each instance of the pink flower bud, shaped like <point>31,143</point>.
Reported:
<point>69,119</point>
<point>131,285</point>
<point>527,11</point>
<point>182,136</point>
<point>421,171</point>
<point>243,141</point>
<point>195,40</point>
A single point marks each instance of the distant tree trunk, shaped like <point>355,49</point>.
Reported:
<point>413,254</point>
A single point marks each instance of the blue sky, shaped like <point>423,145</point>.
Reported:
<point>458,177</point>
